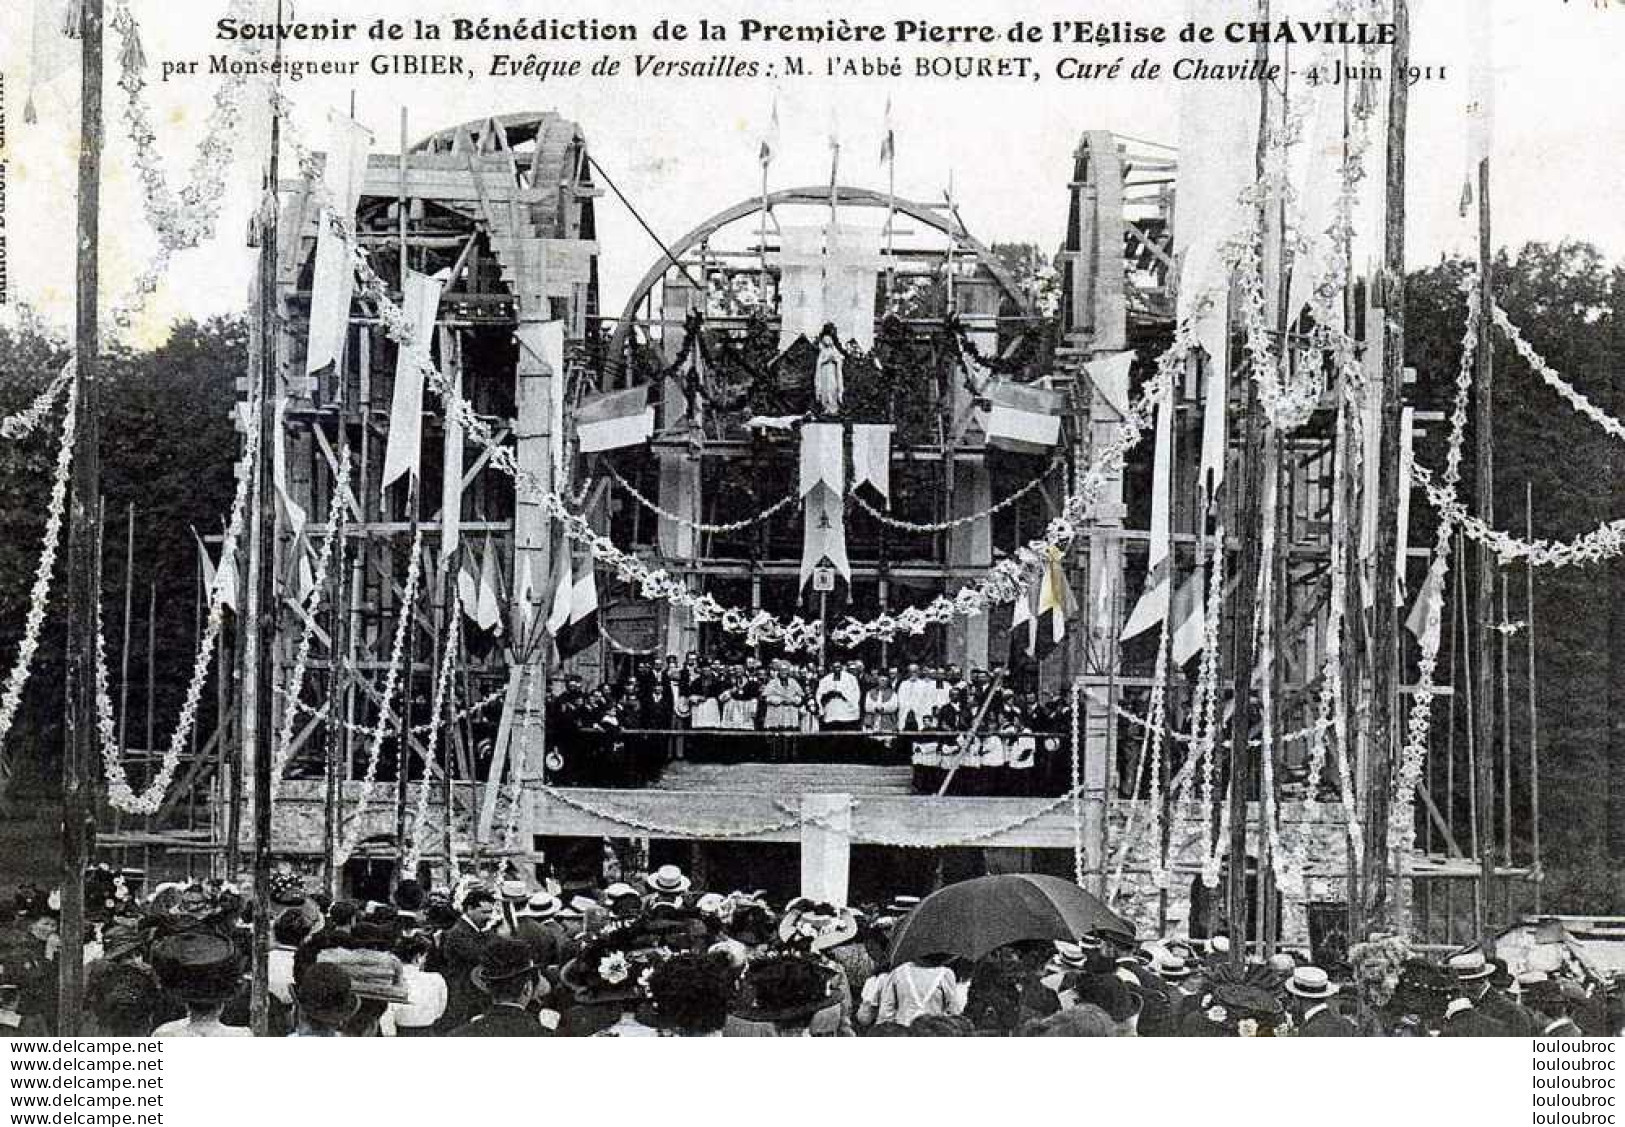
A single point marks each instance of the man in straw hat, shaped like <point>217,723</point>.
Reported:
<point>1475,975</point>
<point>1310,992</point>
<point>512,980</point>
<point>1470,973</point>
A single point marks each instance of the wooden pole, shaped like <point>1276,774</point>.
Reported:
<point>1385,712</point>
<point>1534,726</point>
<point>265,575</point>
<point>152,682</point>
<point>1506,727</point>
<point>124,652</point>
<point>78,753</point>
<point>1248,512</point>
<point>1484,439</point>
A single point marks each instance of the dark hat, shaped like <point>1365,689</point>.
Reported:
<point>503,960</point>
<point>121,938</point>
<point>325,994</point>
<point>1107,991</point>
<point>1116,936</point>
<point>785,989</point>
<point>200,967</point>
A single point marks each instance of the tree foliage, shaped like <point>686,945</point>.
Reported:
<point>167,447</point>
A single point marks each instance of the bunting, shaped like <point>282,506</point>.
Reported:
<point>420,305</point>
<point>333,283</point>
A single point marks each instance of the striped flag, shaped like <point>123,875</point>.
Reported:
<point>1190,620</point>
<point>888,138</point>
<point>1023,626</point>
<point>225,576</point>
<point>487,606</point>
<point>1425,617</point>
<point>581,630</point>
<point>563,588</point>
<point>615,420</point>
<point>1023,419</point>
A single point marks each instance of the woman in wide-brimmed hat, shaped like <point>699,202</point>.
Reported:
<point>203,970</point>
<point>787,994</point>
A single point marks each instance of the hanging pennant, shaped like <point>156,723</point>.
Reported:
<point>822,459</point>
<point>420,305</point>
<point>824,534</point>
<point>871,457</point>
<point>333,283</point>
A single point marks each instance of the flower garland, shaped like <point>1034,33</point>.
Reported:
<point>1556,382</point>
<point>183,219</point>
<point>443,678</point>
<point>311,603</point>
<point>120,795</point>
<point>1402,826</point>
<point>40,594</point>
<point>367,732</point>
<point>26,421</point>
<point>403,623</point>
<point>1077,781</point>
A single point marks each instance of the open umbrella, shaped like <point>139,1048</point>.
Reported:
<point>974,917</point>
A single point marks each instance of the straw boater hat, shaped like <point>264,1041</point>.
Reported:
<point>1171,967</point>
<point>1310,982</point>
<point>512,891</point>
<point>620,890</point>
<point>541,906</point>
<point>668,880</point>
<point>1067,957</point>
<point>1470,965</point>
<point>824,924</point>
<point>902,905</point>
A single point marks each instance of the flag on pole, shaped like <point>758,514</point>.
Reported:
<point>1055,606</point>
<point>1190,620</point>
<point>1425,617</point>
<point>1023,626</point>
<point>1153,605</point>
<point>225,576</point>
<point>888,138</point>
<point>451,473</point>
<point>1024,419</point>
<point>581,631</point>
<point>769,147</point>
<point>614,420</point>
<point>468,587</point>
<point>558,615</point>
<point>420,305</point>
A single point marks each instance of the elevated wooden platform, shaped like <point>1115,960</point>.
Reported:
<point>774,814</point>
